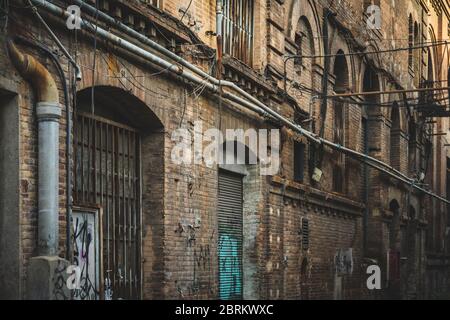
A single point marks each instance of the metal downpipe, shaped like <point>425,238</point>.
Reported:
<point>48,111</point>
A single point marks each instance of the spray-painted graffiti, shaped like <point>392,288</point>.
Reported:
<point>59,292</point>
<point>86,255</point>
<point>344,261</point>
<point>202,257</point>
<point>230,269</point>
<point>199,284</point>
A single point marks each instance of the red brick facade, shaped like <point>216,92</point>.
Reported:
<point>179,202</point>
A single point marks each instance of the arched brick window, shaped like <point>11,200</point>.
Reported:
<point>410,41</point>
<point>305,47</point>
<point>416,44</point>
<point>341,85</point>
<point>395,137</point>
<point>412,148</point>
<point>369,140</point>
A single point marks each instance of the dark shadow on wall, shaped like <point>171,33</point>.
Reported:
<point>9,197</point>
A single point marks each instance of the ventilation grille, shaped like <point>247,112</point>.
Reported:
<point>305,234</point>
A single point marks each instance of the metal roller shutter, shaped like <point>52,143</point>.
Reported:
<point>230,236</point>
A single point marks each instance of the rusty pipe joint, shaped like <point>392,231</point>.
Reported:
<point>48,112</point>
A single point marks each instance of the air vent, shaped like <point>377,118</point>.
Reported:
<point>305,234</point>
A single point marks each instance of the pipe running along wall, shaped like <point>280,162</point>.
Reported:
<point>48,111</point>
<point>213,84</point>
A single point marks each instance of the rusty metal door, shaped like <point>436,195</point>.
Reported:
<point>107,173</point>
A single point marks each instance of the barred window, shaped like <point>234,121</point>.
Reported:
<point>155,3</point>
<point>410,41</point>
<point>238,29</point>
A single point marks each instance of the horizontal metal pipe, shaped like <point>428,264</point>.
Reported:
<point>393,172</point>
<point>78,74</point>
<point>213,85</point>
<point>387,92</point>
<point>143,39</point>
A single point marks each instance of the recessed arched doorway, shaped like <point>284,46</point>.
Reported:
<point>239,196</point>
<point>111,135</point>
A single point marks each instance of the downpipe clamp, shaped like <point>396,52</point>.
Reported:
<point>48,111</point>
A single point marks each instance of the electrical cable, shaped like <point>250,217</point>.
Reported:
<point>55,38</point>
<point>185,11</point>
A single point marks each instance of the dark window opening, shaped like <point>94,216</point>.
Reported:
<point>338,123</point>
<point>410,41</point>
<point>299,161</point>
<point>416,54</point>
<point>304,267</point>
<point>298,61</point>
<point>338,170</point>
<point>338,177</point>
<point>394,231</point>
<point>412,213</point>
<point>238,29</point>
<point>341,84</point>
<point>395,137</point>
<point>412,147</point>
<point>340,71</point>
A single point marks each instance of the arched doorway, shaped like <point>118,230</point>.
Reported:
<point>239,194</point>
<point>111,135</point>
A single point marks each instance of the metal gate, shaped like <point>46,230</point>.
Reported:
<point>107,173</point>
<point>230,224</point>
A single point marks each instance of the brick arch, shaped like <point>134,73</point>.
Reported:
<point>108,72</point>
<point>338,47</point>
<point>363,66</point>
<point>122,105</point>
<point>303,21</point>
<point>306,9</point>
<point>411,11</point>
<point>402,113</point>
<point>119,106</point>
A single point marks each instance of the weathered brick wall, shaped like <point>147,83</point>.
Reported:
<point>180,261</point>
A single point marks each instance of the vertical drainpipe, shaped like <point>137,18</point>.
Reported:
<point>48,112</point>
<point>219,23</point>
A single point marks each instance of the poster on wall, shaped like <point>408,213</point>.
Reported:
<point>87,255</point>
<point>344,261</point>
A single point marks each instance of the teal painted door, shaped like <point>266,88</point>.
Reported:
<point>230,236</point>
